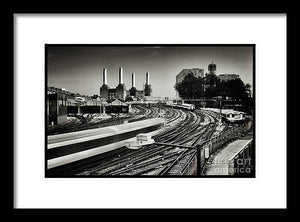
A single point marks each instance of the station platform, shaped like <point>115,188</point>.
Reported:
<point>224,162</point>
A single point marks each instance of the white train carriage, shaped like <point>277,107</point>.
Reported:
<point>67,148</point>
<point>186,106</point>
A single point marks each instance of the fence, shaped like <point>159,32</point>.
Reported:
<point>242,164</point>
<point>214,144</point>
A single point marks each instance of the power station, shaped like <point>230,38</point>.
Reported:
<point>147,89</point>
<point>120,91</point>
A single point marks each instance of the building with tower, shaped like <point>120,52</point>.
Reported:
<point>147,86</point>
<point>104,89</point>
<point>132,90</point>
<point>113,93</point>
<point>212,68</point>
<point>120,91</point>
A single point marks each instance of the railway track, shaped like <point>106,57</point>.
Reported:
<point>179,166</point>
<point>85,123</point>
<point>188,129</point>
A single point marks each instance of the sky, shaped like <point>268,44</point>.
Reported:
<point>79,68</point>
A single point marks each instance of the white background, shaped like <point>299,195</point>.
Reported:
<point>268,189</point>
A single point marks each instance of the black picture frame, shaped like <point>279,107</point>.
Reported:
<point>11,154</point>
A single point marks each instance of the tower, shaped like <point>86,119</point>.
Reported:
<point>121,89</point>
<point>104,77</point>
<point>212,68</point>
<point>132,91</point>
<point>104,88</point>
<point>147,78</point>
<point>133,79</point>
<point>120,75</point>
<point>147,89</point>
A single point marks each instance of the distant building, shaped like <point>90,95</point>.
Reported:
<point>53,90</point>
<point>195,71</point>
<point>71,102</point>
<point>120,91</point>
<point>135,93</point>
<point>104,91</point>
<point>56,105</point>
<point>208,78</point>
<point>228,76</point>
<point>117,106</point>
<point>147,90</point>
<point>132,90</point>
<point>60,101</point>
<point>113,93</point>
<point>212,68</point>
<point>147,86</point>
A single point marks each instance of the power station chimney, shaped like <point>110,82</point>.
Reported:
<point>120,75</point>
<point>147,78</point>
<point>133,79</point>
<point>104,77</point>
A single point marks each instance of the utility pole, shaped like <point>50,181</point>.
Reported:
<point>220,104</point>
<point>198,160</point>
<point>220,109</point>
<point>100,105</point>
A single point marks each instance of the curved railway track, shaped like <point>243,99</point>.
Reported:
<point>186,128</point>
<point>84,123</point>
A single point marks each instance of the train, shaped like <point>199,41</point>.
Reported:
<point>186,106</point>
<point>68,148</point>
<point>229,115</point>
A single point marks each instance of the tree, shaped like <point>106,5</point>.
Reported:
<point>211,81</point>
<point>248,89</point>
<point>190,87</point>
<point>235,89</point>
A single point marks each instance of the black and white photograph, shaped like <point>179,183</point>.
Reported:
<point>150,110</point>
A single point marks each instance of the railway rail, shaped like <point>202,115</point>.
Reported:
<point>186,128</point>
<point>84,123</point>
